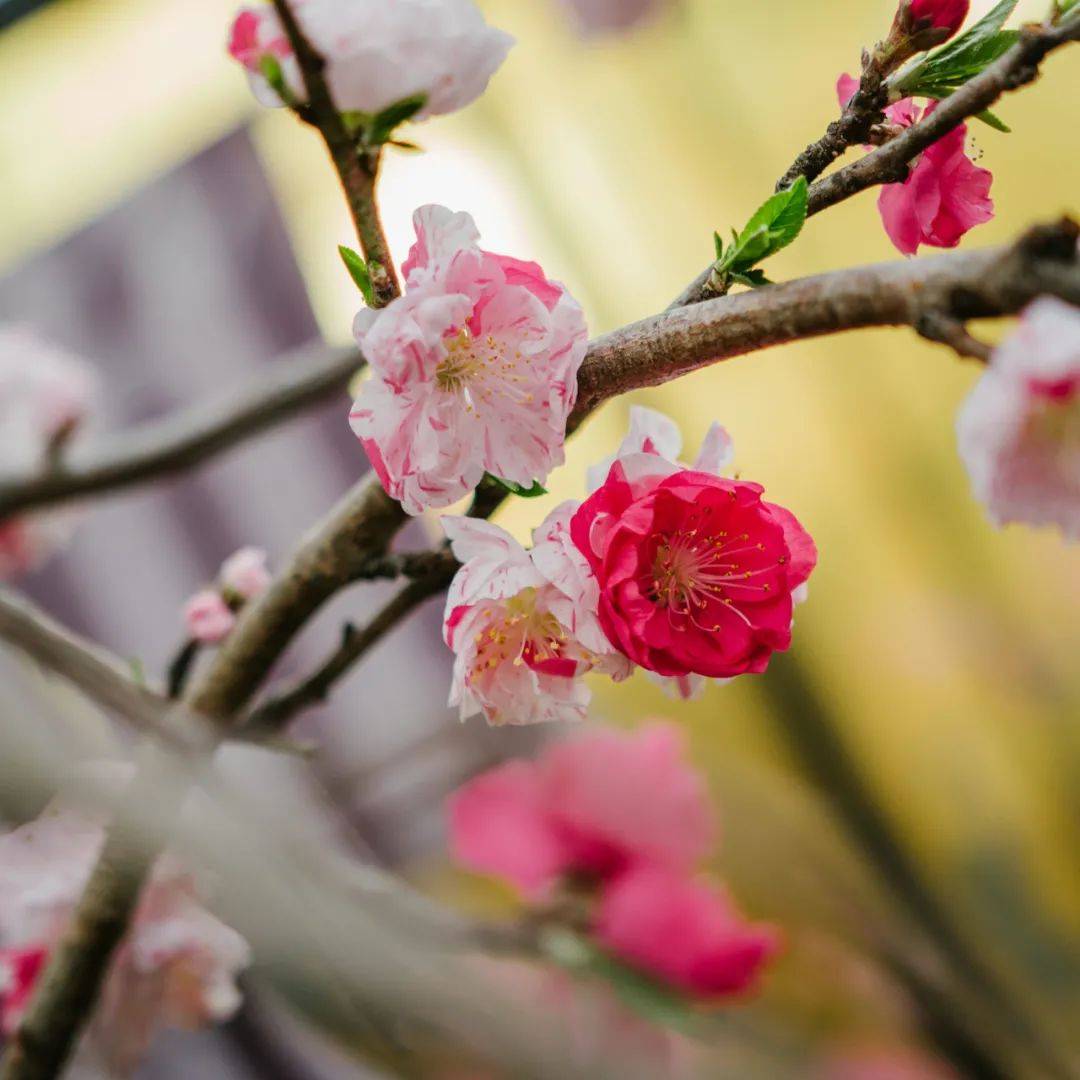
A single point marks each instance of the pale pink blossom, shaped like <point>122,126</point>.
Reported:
<point>945,194</point>
<point>377,53</point>
<point>593,805</point>
<point>208,618</point>
<point>684,931</point>
<point>595,17</point>
<point>175,967</point>
<point>1019,429</point>
<point>245,573</point>
<point>516,660</point>
<point>45,394</point>
<point>474,370</point>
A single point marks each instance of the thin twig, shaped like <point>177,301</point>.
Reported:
<point>952,332</point>
<point>357,166</point>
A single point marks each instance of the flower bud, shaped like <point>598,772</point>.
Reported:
<point>244,574</point>
<point>938,14</point>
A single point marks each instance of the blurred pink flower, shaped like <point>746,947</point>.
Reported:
<point>1019,429</point>
<point>175,967</point>
<point>45,394</point>
<point>377,54</point>
<point>944,196</point>
<point>515,659</point>
<point>474,370</point>
<point>605,16</point>
<point>208,618</point>
<point>245,573</point>
<point>696,573</point>
<point>683,931</point>
<point>592,805</point>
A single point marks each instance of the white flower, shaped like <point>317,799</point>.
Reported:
<point>1019,429</point>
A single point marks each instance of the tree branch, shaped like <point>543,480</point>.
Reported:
<point>186,439</point>
<point>357,166</point>
<point>888,164</point>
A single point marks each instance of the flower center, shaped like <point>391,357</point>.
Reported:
<point>476,368</point>
<point>690,571</point>
<point>518,632</point>
<point>460,364</point>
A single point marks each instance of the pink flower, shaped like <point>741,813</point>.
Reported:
<point>208,618</point>
<point>605,16</point>
<point>696,573</point>
<point>944,196</point>
<point>175,967</point>
<point>939,14</point>
<point>683,931</point>
<point>378,54</point>
<point>516,660</point>
<point>474,370</point>
<point>1019,429</point>
<point>592,805</point>
<point>45,394</point>
<point>245,574</point>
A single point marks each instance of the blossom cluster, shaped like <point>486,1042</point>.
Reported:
<point>210,614</point>
<point>45,395</point>
<point>622,821</point>
<point>674,569</point>
<point>175,967</point>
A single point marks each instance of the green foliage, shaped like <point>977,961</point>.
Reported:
<point>358,271</point>
<point>272,73</point>
<point>943,71</point>
<point>645,996</point>
<point>533,492</point>
<point>774,225</point>
<point>381,127</point>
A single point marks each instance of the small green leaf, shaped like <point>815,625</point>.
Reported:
<point>272,73</point>
<point>774,225</point>
<point>382,125</point>
<point>754,278</point>
<point>358,271</point>
<point>994,121</point>
<point>533,492</point>
<point>718,243</point>
<point>138,671</point>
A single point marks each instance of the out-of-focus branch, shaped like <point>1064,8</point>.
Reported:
<point>888,164</point>
<point>97,673</point>
<point>285,389</point>
<point>357,166</point>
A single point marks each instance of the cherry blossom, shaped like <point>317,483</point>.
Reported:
<point>377,54</point>
<point>45,394</point>
<point>474,370</point>
<point>175,967</point>
<point>683,930</point>
<point>1019,429</point>
<point>944,196</point>
<point>244,574</point>
<point>593,805</point>
<point>208,618</point>
<point>697,574</point>
<point>515,632</point>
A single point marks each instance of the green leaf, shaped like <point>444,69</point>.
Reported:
<point>774,225</point>
<point>382,125</point>
<point>754,278</point>
<point>272,73</point>
<point>718,243</point>
<point>646,996</point>
<point>533,492</point>
<point>358,271</point>
<point>994,121</point>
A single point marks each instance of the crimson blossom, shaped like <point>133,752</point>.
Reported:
<point>625,819</point>
<point>473,370</point>
<point>939,14</point>
<point>696,573</point>
<point>945,194</point>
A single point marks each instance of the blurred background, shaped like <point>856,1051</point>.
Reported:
<point>902,792</point>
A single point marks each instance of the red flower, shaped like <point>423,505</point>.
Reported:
<point>938,14</point>
<point>19,969</point>
<point>683,931</point>
<point>695,572</point>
